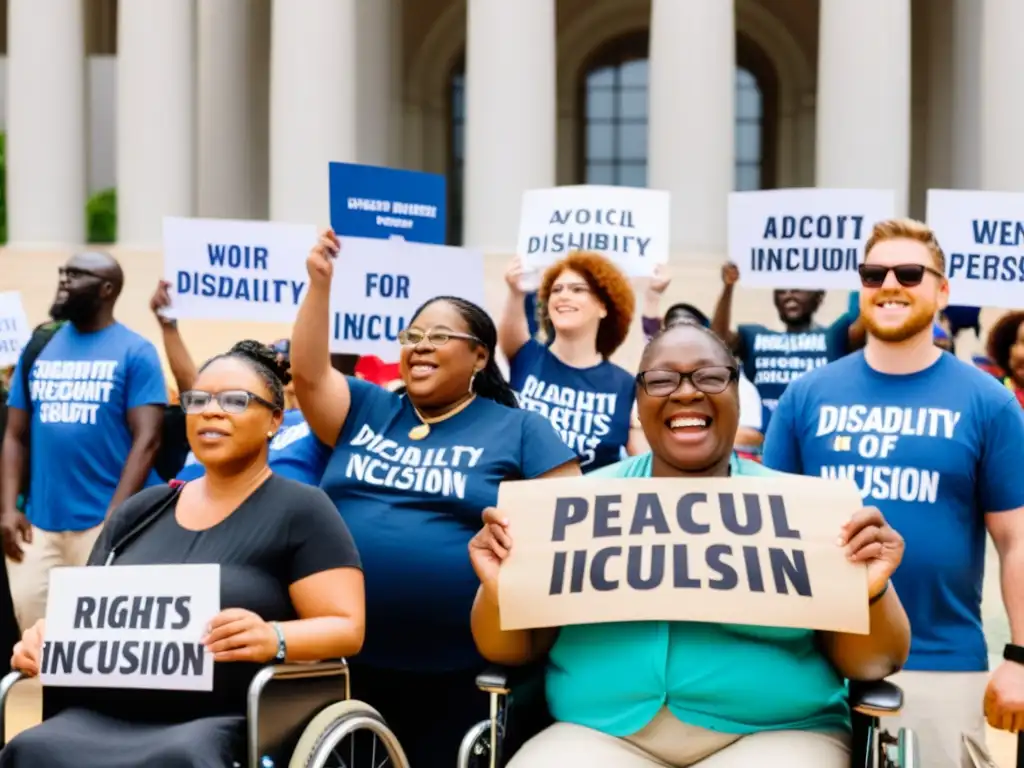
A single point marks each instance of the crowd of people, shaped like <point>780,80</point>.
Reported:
<point>355,519</point>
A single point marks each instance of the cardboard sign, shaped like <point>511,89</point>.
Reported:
<point>628,225</point>
<point>236,270</point>
<point>130,626</point>
<point>741,550</point>
<point>982,235</point>
<point>374,202</point>
<point>378,284</point>
<point>811,239</point>
<point>14,329</point>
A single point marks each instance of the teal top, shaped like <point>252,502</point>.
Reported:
<point>731,678</point>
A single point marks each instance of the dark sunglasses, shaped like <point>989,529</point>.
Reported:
<point>230,401</point>
<point>437,337</point>
<point>712,380</point>
<point>907,275</point>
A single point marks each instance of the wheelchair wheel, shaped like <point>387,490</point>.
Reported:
<point>349,734</point>
<point>475,750</point>
<point>899,752</point>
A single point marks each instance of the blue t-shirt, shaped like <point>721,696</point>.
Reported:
<point>590,408</point>
<point>934,451</point>
<point>82,387</point>
<point>616,676</point>
<point>413,505</point>
<point>772,359</point>
<point>294,453</point>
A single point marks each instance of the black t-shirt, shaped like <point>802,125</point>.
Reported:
<point>283,532</point>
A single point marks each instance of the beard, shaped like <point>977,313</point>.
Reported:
<point>77,308</point>
<point>920,318</point>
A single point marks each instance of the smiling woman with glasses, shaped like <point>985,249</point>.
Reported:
<point>411,473</point>
<point>657,693</point>
<point>291,588</point>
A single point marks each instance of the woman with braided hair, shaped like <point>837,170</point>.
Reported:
<point>411,473</point>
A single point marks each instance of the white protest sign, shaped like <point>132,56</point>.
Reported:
<point>14,330</point>
<point>811,239</point>
<point>378,284</point>
<point>628,225</point>
<point>130,626</point>
<point>236,270</point>
<point>982,235</point>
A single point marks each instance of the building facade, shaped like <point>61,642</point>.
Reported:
<point>233,108</point>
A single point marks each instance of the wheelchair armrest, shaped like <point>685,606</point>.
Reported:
<point>6,684</point>
<point>875,698</point>
<point>283,698</point>
<point>503,680</point>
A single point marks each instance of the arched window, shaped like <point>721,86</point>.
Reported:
<point>613,141</point>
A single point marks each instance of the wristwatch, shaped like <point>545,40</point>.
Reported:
<point>1014,653</point>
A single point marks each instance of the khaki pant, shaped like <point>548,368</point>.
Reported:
<point>30,579</point>
<point>666,741</point>
<point>940,707</point>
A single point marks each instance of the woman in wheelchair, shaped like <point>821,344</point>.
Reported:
<point>644,694</point>
<point>291,585</point>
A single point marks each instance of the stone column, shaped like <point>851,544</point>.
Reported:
<point>156,117</point>
<point>46,127</point>
<point>863,121</point>
<point>510,116</point>
<point>692,93</point>
<point>314,116</point>
<point>1002,96</point>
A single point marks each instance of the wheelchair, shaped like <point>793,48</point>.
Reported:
<point>298,715</point>
<point>518,712</point>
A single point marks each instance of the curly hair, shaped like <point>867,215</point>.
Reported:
<point>608,284</point>
<point>1002,337</point>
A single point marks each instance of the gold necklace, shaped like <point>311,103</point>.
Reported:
<point>420,431</point>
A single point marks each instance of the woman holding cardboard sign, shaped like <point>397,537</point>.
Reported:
<point>644,694</point>
<point>291,588</point>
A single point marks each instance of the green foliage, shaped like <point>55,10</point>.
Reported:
<point>101,217</point>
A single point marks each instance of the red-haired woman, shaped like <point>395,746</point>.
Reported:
<point>585,306</point>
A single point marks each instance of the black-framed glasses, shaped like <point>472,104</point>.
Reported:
<point>230,401</point>
<point>907,275</point>
<point>73,273</point>
<point>711,380</point>
<point>437,337</point>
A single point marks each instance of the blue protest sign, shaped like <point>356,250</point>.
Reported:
<point>373,202</point>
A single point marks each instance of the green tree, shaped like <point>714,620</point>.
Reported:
<point>101,217</point>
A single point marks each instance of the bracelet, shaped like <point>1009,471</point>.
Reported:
<point>282,650</point>
<point>880,595</point>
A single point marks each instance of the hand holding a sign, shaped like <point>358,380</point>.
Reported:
<point>489,548</point>
<point>514,276</point>
<point>239,635</point>
<point>160,301</point>
<point>730,274</point>
<point>869,539</point>
<point>320,262</point>
<point>29,649</point>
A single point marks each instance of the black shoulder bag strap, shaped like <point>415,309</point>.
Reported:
<point>148,518</point>
<point>40,338</point>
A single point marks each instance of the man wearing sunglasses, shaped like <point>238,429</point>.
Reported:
<point>938,447</point>
<point>87,415</point>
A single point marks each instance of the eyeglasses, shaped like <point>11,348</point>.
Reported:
<point>230,401</point>
<point>576,289</point>
<point>711,380</point>
<point>437,337</point>
<point>907,275</point>
<point>73,273</point>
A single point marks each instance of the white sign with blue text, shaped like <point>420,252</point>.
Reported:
<point>379,284</point>
<point>628,225</point>
<point>14,330</point>
<point>982,235</point>
<point>220,269</point>
<point>812,239</point>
